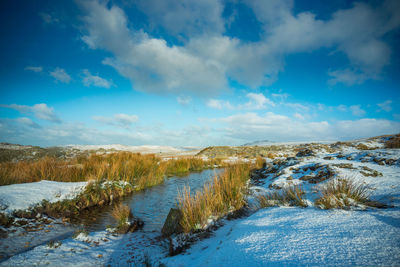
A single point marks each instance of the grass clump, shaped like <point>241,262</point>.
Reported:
<point>226,193</point>
<point>122,213</point>
<point>342,194</point>
<point>291,195</point>
<point>260,162</point>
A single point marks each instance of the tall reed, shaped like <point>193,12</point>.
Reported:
<point>226,193</point>
<point>140,170</point>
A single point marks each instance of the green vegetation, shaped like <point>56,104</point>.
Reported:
<point>225,194</point>
<point>288,196</point>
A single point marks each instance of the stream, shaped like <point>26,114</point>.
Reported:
<point>151,205</point>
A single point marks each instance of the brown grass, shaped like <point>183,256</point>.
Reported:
<point>224,194</point>
<point>291,195</point>
<point>137,169</point>
<point>122,213</point>
<point>393,142</point>
<point>260,162</point>
<point>342,193</point>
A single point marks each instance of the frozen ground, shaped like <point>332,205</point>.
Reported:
<point>272,236</point>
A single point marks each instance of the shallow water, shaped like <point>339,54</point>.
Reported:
<point>150,205</point>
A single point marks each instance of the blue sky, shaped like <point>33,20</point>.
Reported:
<point>198,73</point>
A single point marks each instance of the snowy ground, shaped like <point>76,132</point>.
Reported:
<point>271,236</point>
<point>22,196</point>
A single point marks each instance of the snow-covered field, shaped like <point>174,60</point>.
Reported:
<point>22,196</point>
<point>272,236</point>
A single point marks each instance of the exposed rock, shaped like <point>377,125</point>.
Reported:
<point>344,165</point>
<point>329,158</point>
<point>370,172</point>
<point>305,152</point>
<point>172,223</point>
<point>132,226</point>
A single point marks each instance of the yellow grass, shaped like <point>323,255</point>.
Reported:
<point>137,169</point>
<point>224,194</point>
<point>121,213</point>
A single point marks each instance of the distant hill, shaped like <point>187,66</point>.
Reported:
<point>260,143</point>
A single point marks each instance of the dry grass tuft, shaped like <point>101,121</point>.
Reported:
<point>224,194</point>
<point>260,162</point>
<point>342,193</point>
<point>122,213</point>
<point>288,196</point>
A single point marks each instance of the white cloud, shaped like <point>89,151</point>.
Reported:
<point>219,104</point>
<point>205,58</point>
<point>281,97</point>
<point>120,120</point>
<point>34,68</point>
<point>184,100</point>
<point>40,111</point>
<point>299,116</point>
<point>357,111</point>
<point>185,18</point>
<point>385,106</point>
<point>27,122</point>
<point>95,80</point>
<point>271,126</point>
<point>60,75</point>
<point>347,77</point>
<point>297,106</point>
<point>342,108</point>
<point>257,101</point>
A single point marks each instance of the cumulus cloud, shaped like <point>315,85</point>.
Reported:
<point>219,104</point>
<point>184,18</point>
<point>257,101</point>
<point>271,126</point>
<point>184,100</point>
<point>95,80</point>
<point>347,77</point>
<point>206,58</point>
<point>385,106</point>
<point>40,111</point>
<point>34,68</point>
<point>120,120</point>
<point>357,111</point>
<point>60,75</point>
